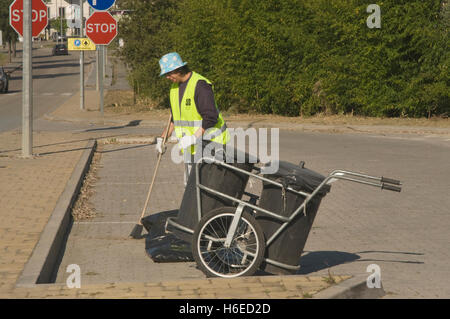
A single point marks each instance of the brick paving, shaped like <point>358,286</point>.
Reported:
<point>292,287</point>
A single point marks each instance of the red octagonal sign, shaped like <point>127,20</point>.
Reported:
<point>39,16</point>
<point>101,27</point>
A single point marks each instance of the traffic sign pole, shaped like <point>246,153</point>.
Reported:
<point>101,28</point>
<point>81,61</point>
<point>27,83</point>
<point>101,47</point>
<point>97,87</point>
<point>28,18</point>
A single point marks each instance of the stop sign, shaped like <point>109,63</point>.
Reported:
<point>38,15</point>
<point>101,27</point>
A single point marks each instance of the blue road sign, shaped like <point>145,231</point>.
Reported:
<point>101,5</point>
<point>77,42</point>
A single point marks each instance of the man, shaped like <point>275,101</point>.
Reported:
<point>195,116</point>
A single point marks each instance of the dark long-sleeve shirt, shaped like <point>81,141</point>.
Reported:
<point>204,101</point>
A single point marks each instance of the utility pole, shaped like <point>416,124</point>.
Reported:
<point>102,48</point>
<point>27,83</point>
<point>97,52</point>
<point>104,61</point>
<point>60,22</point>
<point>81,60</point>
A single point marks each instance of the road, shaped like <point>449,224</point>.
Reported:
<point>55,79</point>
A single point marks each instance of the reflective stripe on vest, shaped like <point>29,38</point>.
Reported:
<point>188,123</point>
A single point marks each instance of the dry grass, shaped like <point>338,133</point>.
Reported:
<point>82,208</point>
<point>121,102</point>
<point>343,120</point>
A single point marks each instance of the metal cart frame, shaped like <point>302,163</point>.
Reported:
<point>381,182</point>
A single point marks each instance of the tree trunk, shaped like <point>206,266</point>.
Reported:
<point>9,50</point>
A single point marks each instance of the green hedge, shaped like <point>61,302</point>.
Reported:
<point>294,57</point>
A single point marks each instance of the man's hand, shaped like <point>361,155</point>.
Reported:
<point>159,145</point>
<point>186,141</point>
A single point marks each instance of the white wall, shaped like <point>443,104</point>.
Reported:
<point>54,6</point>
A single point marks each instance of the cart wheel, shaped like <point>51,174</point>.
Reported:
<point>246,250</point>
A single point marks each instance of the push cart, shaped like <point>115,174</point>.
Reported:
<point>230,241</point>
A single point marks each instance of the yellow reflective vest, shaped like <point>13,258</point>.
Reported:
<point>187,120</point>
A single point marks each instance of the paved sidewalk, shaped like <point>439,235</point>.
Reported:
<point>30,190</point>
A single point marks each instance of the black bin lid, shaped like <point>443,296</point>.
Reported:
<point>233,154</point>
<point>298,177</point>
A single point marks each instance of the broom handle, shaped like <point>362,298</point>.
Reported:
<point>156,169</point>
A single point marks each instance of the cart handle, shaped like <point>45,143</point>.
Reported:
<point>390,181</point>
<point>390,187</point>
<point>384,182</point>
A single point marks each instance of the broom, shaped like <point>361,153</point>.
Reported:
<point>136,233</point>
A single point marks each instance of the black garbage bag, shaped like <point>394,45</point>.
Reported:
<point>155,224</point>
<point>168,249</point>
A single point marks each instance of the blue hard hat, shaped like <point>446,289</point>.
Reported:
<point>169,62</point>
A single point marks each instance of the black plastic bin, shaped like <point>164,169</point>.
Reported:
<point>219,178</point>
<point>288,246</point>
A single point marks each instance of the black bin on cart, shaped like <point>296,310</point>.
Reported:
<point>288,246</point>
<point>219,178</point>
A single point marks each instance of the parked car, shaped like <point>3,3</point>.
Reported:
<point>4,80</point>
<point>60,49</point>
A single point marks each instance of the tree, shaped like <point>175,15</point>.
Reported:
<point>9,35</point>
<point>55,23</point>
<point>299,57</point>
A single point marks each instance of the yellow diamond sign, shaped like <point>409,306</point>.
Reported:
<point>80,44</point>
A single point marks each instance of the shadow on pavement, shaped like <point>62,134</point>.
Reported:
<point>130,124</point>
<point>318,260</point>
<point>46,76</point>
<point>51,66</point>
<point>63,151</point>
<point>392,260</point>
<point>61,143</point>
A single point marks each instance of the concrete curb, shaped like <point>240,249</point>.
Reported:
<point>353,288</point>
<point>41,265</point>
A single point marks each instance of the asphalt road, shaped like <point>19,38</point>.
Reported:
<point>55,79</point>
